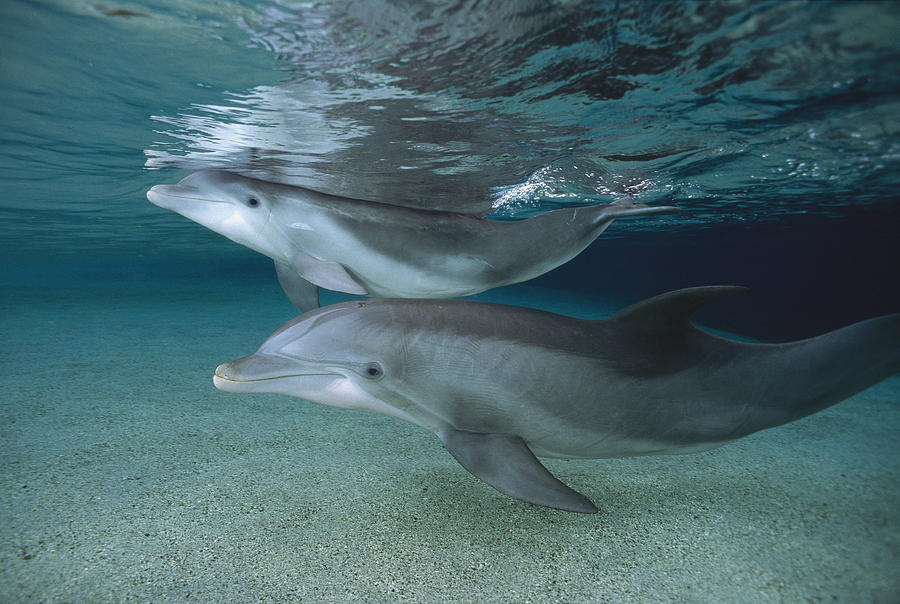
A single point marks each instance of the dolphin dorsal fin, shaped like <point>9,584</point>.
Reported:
<point>672,310</point>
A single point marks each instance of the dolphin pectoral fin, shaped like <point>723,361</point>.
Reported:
<point>506,463</point>
<point>330,275</point>
<point>302,294</point>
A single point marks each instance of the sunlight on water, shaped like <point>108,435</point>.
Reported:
<point>677,102</point>
<point>739,112</point>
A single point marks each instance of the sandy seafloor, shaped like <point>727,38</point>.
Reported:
<point>128,477</point>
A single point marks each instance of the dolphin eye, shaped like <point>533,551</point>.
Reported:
<point>373,371</point>
<point>253,202</point>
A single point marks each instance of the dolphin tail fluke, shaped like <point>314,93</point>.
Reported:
<point>836,365</point>
<point>302,294</point>
<point>626,208</point>
<point>506,463</point>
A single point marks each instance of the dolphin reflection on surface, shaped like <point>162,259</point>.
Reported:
<point>379,249</point>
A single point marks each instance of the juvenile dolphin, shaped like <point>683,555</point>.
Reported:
<point>500,384</point>
<point>364,247</point>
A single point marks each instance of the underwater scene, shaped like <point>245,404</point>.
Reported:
<point>449,301</point>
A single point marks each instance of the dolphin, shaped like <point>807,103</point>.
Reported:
<point>500,385</point>
<point>379,249</point>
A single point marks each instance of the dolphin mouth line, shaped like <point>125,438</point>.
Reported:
<point>161,194</point>
<point>276,377</point>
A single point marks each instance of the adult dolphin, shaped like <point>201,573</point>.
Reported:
<point>365,247</point>
<point>499,384</point>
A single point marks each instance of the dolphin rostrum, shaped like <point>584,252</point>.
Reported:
<point>500,384</point>
<point>365,247</point>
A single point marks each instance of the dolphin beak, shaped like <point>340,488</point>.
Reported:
<point>162,196</point>
<point>264,373</point>
<point>166,196</point>
<point>254,368</point>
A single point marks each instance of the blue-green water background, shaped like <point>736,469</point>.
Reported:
<point>775,126</point>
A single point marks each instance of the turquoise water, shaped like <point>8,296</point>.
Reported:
<point>127,476</point>
<point>773,127</point>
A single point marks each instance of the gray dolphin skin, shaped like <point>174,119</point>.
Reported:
<point>383,250</point>
<point>500,385</point>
